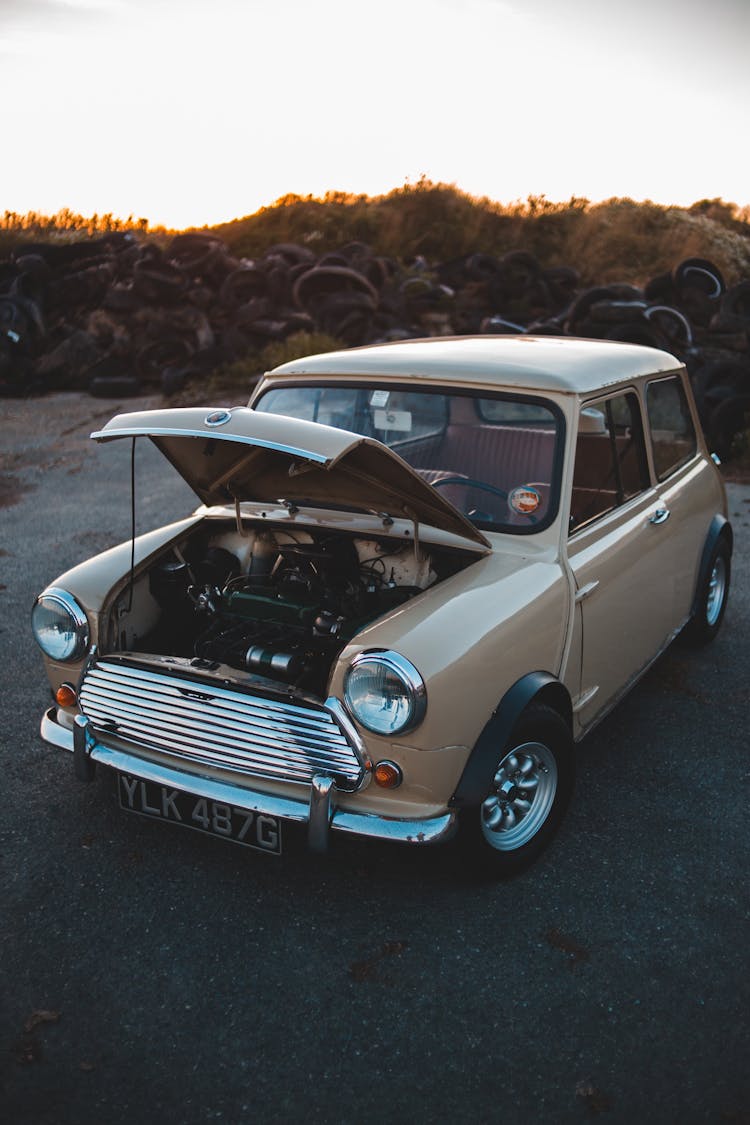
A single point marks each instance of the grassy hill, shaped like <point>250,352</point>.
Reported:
<point>618,240</point>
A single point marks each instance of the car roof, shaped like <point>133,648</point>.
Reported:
<point>544,363</point>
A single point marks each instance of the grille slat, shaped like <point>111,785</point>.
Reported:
<point>230,729</point>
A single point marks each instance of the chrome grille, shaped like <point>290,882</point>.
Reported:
<point>198,722</point>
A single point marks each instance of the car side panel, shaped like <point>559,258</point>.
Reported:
<point>624,590</point>
<point>693,497</point>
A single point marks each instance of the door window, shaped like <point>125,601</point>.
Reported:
<point>610,464</point>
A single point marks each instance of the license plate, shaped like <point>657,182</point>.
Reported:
<point>216,818</point>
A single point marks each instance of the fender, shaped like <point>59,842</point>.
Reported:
<point>475,781</point>
<point>720,525</point>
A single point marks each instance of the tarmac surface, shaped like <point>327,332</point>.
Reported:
<point>149,974</point>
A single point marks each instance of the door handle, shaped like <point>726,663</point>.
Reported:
<point>586,590</point>
<point>661,515</point>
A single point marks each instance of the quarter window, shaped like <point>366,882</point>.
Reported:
<point>610,465</point>
<point>672,432</point>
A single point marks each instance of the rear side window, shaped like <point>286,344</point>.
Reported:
<point>610,465</point>
<point>672,432</point>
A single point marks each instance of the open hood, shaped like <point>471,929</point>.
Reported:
<point>240,454</point>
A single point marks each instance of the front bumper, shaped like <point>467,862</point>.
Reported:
<point>319,813</point>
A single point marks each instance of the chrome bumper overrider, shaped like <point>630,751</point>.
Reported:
<point>319,813</point>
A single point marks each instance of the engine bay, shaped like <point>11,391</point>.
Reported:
<point>273,602</point>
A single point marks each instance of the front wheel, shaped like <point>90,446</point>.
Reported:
<point>527,798</point>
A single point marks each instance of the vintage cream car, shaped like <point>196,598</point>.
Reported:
<point>421,572</point>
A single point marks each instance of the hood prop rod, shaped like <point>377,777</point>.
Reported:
<point>132,524</point>
<point>238,518</point>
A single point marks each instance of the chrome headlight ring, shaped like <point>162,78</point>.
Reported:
<point>59,625</point>
<point>385,693</point>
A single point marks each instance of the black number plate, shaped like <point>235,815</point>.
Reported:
<point>162,802</point>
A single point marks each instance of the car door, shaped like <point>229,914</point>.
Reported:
<point>686,483</point>
<point>616,550</point>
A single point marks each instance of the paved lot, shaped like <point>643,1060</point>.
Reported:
<point>153,974</point>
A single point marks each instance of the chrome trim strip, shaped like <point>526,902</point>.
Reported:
<point>431,830</point>
<point>585,697</point>
<point>344,720</point>
<point>239,439</point>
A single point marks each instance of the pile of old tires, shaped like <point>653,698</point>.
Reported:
<point>693,314</point>
<point>119,315</point>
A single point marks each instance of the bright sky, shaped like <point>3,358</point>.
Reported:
<point>197,111</point>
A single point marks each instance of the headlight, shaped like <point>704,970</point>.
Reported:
<point>384,692</point>
<point>59,625</point>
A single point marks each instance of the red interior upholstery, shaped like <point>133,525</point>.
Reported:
<point>506,456</point>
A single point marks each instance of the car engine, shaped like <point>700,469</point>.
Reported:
<point>275,603</point>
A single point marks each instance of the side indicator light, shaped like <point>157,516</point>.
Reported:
<point>388,775</point>
<point>66,695</point>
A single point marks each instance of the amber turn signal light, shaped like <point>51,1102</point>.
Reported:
<point>388,775</point>
<point>66,695</point>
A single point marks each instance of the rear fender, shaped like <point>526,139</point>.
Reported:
<point>720,527</point>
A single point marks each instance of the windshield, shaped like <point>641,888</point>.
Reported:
<point>496,458</point>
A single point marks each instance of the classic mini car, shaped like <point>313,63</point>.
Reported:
<point>421,572</point>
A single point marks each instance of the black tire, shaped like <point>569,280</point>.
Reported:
<point>520,269</point>
<point>636,332</point>
<point>712,599</point>
<point>482,267</point>
<point>242,285</point>
<point>292,253</point>
<point>734,314</point>
<point>152,359</point>
<point>699,273</point>
<point>161,282</point>
<point>714,382</point>
<point>578,313</point>
<point>320,281</point>
<point>728,419</point>
<point>671,324</point>
<point>562,283</point>
<point>539,750</point>
<point>661,289</point>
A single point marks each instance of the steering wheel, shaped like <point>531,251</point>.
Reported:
<point>470,482</point>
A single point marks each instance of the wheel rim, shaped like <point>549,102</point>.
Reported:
<point>523,792</point>
<point>716,590</point>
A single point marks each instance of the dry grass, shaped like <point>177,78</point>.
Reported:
<point>619,240</point>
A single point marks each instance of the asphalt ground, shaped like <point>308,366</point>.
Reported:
<point>153,974</point>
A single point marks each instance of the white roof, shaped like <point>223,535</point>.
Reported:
<point>544,363</point>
